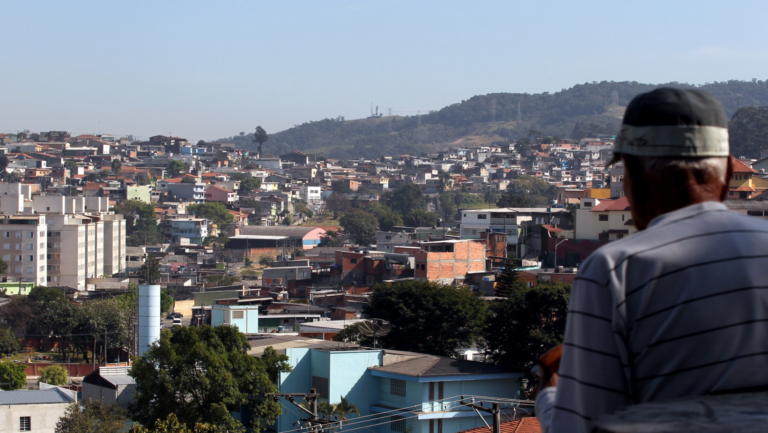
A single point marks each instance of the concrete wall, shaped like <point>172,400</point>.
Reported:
<point>43,417</point>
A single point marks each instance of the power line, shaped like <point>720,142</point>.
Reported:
<point>379,415</point>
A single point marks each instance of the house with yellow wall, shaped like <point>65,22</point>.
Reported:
<point>744,184</point>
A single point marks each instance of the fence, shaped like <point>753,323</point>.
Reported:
<point>75,370</point>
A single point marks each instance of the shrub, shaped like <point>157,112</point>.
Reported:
<point>54,375</point>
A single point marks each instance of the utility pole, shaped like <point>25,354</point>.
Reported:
<point>494,410</point>
<point>311,397</point>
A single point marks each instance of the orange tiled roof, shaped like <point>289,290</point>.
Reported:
<point>619,204</point>
<point>742,188</point>
<point>529,424</point>
<point>740,167</point>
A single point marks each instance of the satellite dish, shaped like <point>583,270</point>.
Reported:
<point>375,328</point>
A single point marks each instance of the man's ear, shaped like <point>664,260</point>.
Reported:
<point>727,180</point>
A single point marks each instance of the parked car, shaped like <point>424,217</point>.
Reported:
<point>177,321</point>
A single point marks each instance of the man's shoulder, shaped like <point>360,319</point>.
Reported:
<point>709,223</point>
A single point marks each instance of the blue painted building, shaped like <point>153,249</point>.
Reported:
<point>396,391</point>
<point>244,317</point>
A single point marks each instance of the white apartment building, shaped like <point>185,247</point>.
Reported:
<point>311,193</point>
<point>24,247</point>
<point>85,240</point>
<point>604,219</point>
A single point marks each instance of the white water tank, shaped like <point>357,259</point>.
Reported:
<point>149,316</point>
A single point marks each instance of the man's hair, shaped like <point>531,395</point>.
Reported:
<point>657,169</point>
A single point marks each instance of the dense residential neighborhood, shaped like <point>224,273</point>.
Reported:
<point>329,271</point>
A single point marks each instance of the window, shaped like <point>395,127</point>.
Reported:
<point>30,269</point>
<point>18,258</point>
<point>388,237</point>
<point>30,234</point>
<point>30,258</point>
<point>353,261</point>
<point>7,257</point>
<point>238,314</point>
<point>397,424</point>
<point>19,234</point>
<point>18,269</point>
<point>604,217</point>
<point>587,204</point>
<point>6,246</point>
<point>321,385</point>
<point>482,216</point>
<point>397,387</point>
<point>25,423</point>
<point>30,246</point>
<point>42,234</point>
<point>18,246</point>
<point>7,234</point>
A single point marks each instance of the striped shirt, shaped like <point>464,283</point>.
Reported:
<point>676,310</point>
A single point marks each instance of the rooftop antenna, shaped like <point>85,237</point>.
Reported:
<point>375,328</point>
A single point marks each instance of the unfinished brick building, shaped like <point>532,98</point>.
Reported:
<point>448,262</point>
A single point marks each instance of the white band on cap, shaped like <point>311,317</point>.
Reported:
<point>691,141</point>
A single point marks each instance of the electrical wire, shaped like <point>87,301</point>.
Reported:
<point>379,416</point>
<point>365,418</point>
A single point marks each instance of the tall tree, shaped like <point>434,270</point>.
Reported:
<point>116,166</point>
<point>507,282</point>
<point>387,217</point>
<point>360,225</point>
<point>9,345</point>
<point>140,222</point>
<point>421,218</point>
<point>214,211</point>
<point>177,167</point>
<point>525,325</point>
<point>261,137</point>
<point>150,271</point>
<point>337,203</point>
<point>12,376</point>
<point>748,131</point>
<point>92,416</point>
<point>274,363</point>
<point>428,317</point>
<point>405,199</point>
<point>201,374</point>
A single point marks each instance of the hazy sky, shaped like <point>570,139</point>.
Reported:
<point>210,69</point>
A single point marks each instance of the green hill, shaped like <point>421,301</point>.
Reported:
<point>580,111</point>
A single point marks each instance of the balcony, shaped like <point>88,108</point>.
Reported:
<point>500,221</point>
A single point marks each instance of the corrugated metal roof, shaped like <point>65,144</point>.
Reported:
<point>277,231</point>
<point>116,375</point>
<point>34,396</point>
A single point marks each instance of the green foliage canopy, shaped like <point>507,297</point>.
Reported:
<point>360,225</point>
<point>201,374</point>
<point>748,131</point>
<point>525,325</point>
<point>12,376</point>
<point>214,211</point>
<point>54,375</point>
<point>428,317</point>
<point>93,416</point>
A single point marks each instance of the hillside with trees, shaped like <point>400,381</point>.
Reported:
<point>580,111</point>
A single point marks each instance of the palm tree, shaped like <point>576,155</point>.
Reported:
<point>345,408</point>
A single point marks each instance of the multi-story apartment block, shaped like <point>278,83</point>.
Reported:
<point>194,192</point>
<point>24,247</point>
<point>85,240</point>
<point>195,230</point>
